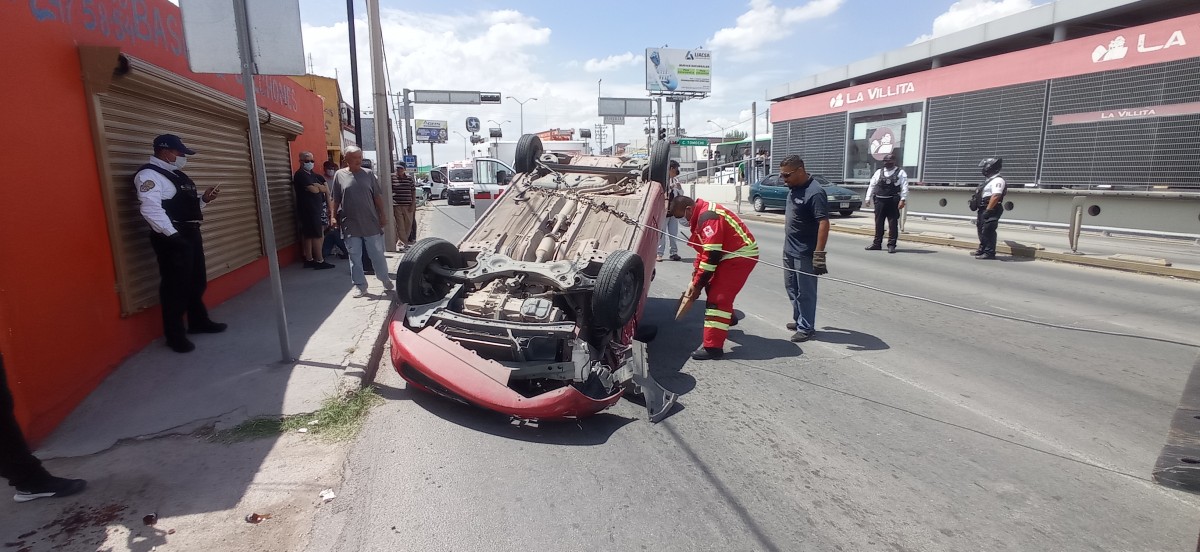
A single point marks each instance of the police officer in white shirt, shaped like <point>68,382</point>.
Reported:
<point>173,209</point>
<point>888,191</point>
<point>990,205</point>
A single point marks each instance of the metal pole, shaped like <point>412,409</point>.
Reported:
<point>260,176</point>
<point>677,105</point>
<point>522,104</point>
<point>383,132</point>
<point>751,168</point>
<point>399,130</point>
<point>431,162</point>
<point>354,74</point>
<point>408,133</point>
<point>659,114</point>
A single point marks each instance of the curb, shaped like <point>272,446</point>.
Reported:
<point>1020,251</point>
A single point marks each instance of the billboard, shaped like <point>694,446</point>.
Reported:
<point>431,131</point>
<point>677,70</point>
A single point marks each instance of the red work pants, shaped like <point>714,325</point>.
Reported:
<point>727,281</point>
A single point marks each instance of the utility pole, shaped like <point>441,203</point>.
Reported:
<point>383,132</point>
<point>354,73</point>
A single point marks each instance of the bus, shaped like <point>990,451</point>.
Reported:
<point>727,156</point>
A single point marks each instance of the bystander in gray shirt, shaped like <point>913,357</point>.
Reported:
<point>355,194</point>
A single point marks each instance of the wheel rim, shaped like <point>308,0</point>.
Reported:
<point>628,283</point>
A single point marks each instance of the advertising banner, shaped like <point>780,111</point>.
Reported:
<point>431,131</point>
<point>678,70</point>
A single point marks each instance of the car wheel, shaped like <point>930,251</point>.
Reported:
<point>846,213</point>
<point>529,149</point>
<point>416,282</point>
<point>660,162</point>
<point>619,287</point>
<point>759,204</point>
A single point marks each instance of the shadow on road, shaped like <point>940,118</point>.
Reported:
<point>756,347</point>
<point>676,340</point>
<point>590,431</point>
<point>856,341</point>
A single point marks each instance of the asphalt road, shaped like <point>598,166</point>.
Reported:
<point>905,426</point>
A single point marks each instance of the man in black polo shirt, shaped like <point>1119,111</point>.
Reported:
<point>806,230</point>
<point>173,209</point>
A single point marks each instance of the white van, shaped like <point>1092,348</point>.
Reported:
<point>492,177</point>
<point>459,179</point>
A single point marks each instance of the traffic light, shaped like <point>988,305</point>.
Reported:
<point>662,133</point>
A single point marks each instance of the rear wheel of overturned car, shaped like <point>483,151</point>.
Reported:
<point>619,287</point>
<point>660,162</point>
<point>759,204</point>
<point>417,283</point>
<point>529,149</point>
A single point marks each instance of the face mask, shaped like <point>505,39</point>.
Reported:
<point>180,161</point>
<point>330,173</point>
<point>308,165</point>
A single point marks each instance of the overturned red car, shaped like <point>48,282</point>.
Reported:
<point>535,312</point>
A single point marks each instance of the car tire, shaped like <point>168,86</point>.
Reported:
<point>416,284</point>
<point>660,162</point>
<point>529,149</point>
<point>846,213</point>
<point>759,204</point>
<point>618,290</point>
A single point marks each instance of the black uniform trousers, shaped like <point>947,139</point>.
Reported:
<point>886,209</point>
<point>986,222</point>
<point>184,279</point>
<point>17,464</point>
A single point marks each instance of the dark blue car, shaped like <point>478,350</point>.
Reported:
<point>770,193</point>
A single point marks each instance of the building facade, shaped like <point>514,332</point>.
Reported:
<point>98,81</point>
<point>1109,109</point>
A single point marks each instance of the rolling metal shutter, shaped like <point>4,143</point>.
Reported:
<point>279,188</point>
<point>819,141</point>
<point>1147,151</point>
<point>966,128</point>
<point>145,101</point>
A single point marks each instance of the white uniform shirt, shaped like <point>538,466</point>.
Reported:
<point>994,186</point>
<point>152,189</point>
<point>902,180</point>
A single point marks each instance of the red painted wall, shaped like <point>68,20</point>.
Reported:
<point>1169,40</point>
<point>61,329</point>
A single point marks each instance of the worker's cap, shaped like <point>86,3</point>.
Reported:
<point>171,141</point>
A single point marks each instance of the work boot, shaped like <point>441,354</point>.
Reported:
<point>708,353</point>
<point>324,265</point>
<point>985,256</point>
<point>733,320</point>
<point>891,249</point>
<point>207,326</point>
<point>791,326</point>
<point>873,247</point>
<point>180,344</point>
<point>976,253</point>
<point>800,337</point>
<point>310,263</point>
<point>675,257</point>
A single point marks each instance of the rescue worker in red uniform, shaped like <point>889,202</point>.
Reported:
<point>725,254</point>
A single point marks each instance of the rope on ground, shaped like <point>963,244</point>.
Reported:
<point>943,303</point>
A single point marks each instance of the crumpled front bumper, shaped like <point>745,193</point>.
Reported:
<point>432,362</point>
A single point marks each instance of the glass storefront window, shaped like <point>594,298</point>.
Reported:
<point>874,133</point>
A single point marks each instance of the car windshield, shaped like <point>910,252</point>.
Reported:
<point>461,175</point>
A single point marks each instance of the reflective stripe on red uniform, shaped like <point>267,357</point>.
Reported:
<point>722,275</point>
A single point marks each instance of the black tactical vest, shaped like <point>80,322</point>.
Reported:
<point>185,206</point>
<point>888,186</point>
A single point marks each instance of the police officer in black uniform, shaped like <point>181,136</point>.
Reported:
<point>174,210</point>
<point>988,204</point>
<point>887,192</point>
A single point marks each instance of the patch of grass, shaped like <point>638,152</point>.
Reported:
<point>338,419</point>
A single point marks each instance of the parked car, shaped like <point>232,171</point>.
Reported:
<point>536,312</point>
<point>771,193</point>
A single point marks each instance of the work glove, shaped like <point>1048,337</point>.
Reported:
<point>819,263</point>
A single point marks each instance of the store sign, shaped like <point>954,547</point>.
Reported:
<point>1117,49</point>
<point>1190,108</point>
<point>846,99</point>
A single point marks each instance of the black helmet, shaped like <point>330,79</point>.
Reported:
<point>991,166</point>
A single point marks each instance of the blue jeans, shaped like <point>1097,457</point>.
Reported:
<point>672,229</point>
<point>332,239</point>
<point>802,290</point>
<point>373,246</point>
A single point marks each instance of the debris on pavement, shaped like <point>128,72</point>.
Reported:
<point>150,519</point>
<point>327,495</point>
<point>302,430</point>
<point>257,518</point>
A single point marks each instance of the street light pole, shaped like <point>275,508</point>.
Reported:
<point>522,104</point>
<point>464,137</point>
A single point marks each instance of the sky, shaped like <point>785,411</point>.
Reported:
<point>566,54</point>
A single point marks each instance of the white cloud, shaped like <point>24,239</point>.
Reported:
<point>965,14</point>
<point>612,62</point>
<point>764,23</point>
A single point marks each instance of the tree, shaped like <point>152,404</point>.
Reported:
<point>735,135</point>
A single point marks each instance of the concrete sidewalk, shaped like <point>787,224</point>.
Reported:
<point>1179,258</point>
<point>239,374</point>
